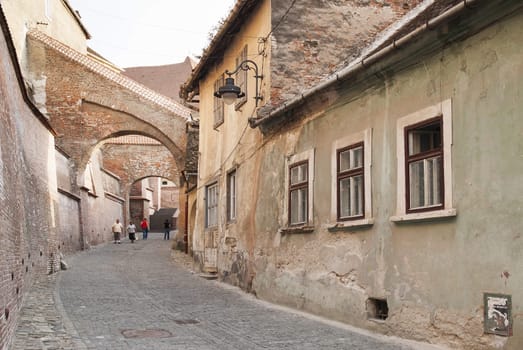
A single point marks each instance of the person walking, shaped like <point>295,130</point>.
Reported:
<point>145,228</point>
<point>117,229</point>
<point>166,229</point>
<point>131,231</point>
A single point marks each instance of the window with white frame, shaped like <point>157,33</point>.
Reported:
<point>350,182</point>
<point>48,9</point>
<point>424,183</point>
<point>299,194</point>
<point>218,108</point>
<point>241,77</point>
<point>211,205</point>
<point>351,203</point>
<point>424,165</point>
<point>231,196</point>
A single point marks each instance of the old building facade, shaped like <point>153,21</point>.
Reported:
<point>386,195</point>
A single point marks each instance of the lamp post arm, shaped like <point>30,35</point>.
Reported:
<point>245,66</point>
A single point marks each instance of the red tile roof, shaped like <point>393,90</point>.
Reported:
<point>133,140</point>
<point>165,79</point>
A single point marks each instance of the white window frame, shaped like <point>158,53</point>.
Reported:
<point>364,137</point>
<point>443,109</point>
<point>232,193</point>
<point>48,9</point>
<point>218,104</point>
<point>211,204</point>
<point>290,161</point>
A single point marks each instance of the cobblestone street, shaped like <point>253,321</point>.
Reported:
<point>144,296</point>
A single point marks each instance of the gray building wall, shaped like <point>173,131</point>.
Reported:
<point>433,274</point>
<point>68,228</point>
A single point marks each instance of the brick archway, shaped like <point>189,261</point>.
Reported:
<point>89,102</point>
<point>132,162</point>
<point>134,158</point>
<point>106,123</point>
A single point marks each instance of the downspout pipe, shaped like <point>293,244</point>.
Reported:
<point>365,62</point>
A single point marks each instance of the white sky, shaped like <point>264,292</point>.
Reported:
<point>133,33</point>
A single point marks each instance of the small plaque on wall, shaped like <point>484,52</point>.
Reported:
<point>498,314</point>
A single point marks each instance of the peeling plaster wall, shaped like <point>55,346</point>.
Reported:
<point>224,148</point>
<point>102,203</point>
<point>432,274</point>
<point>313,38</point>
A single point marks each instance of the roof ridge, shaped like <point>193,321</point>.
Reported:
<point>122,80</point>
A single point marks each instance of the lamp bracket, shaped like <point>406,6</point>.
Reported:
<point>245,65</point>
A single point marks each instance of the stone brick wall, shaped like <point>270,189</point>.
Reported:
<point>132,163</point>
<point>135,162</point>
<point>28,196</point>
<point>305,46</point>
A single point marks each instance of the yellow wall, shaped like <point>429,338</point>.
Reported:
<point>219,152</point>
<point>49,16</point>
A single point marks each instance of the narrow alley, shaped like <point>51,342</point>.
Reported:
<point>138,296</point>
<point>328,175</point>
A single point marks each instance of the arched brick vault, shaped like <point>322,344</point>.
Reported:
<point>132,163</point>
<point>88,102</point>
<point>99,123</point>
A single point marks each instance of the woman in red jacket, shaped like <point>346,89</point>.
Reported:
<point>145,228</point>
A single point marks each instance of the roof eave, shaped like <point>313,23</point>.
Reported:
<point>211,54</point>
<point>77,18</point>
<point>368,58</point>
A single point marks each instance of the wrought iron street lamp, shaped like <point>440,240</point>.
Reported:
<point>230,92</point>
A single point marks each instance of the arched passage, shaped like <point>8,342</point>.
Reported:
<point>114,166</point>
<point>112,123</point>
<point>88,103</point>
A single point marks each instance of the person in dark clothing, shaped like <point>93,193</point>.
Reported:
<point>166,229</point>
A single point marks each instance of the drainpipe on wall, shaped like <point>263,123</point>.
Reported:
<point>186,230</point>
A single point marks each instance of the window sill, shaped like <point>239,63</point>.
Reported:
<point>424,216</point>
<point>297,229</point>
<point>351,225</point>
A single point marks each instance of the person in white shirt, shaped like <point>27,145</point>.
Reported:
<point>131,231</point>
<point>117,231</point>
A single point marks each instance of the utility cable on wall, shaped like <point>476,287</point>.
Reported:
<point>281,19</point>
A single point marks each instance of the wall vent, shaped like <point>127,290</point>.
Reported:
<point>377,309</point>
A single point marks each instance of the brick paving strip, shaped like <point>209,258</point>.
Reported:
<point>42,324</point>
<point>146,296</point>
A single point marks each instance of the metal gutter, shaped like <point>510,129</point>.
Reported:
<point>364,62</point>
